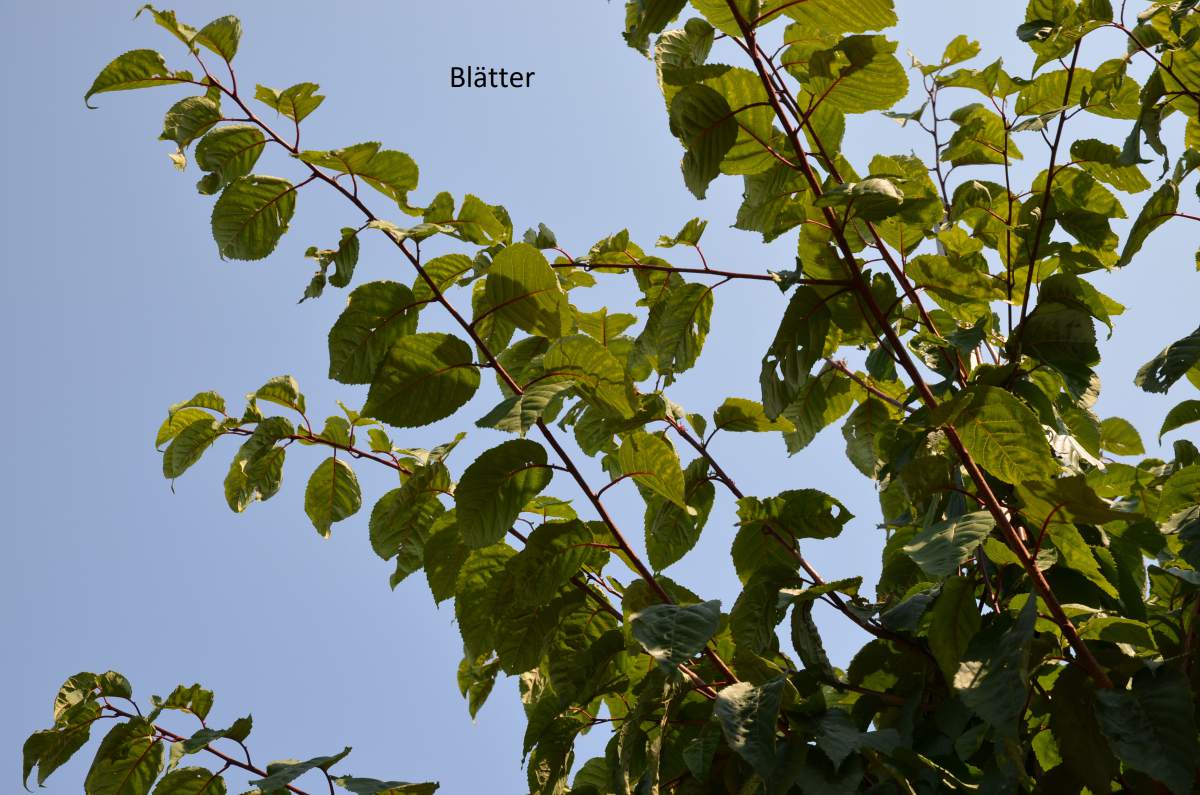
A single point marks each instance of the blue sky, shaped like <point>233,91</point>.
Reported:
<point>115,305</point>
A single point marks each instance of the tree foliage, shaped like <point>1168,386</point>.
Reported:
<point>1035,625</point>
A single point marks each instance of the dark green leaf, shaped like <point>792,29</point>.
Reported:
<point>424,378</point>
<point>748,716</point>
<point>332,494</point>
<point>674,634</point>
<point>495,488</point>
<point>378,314</point>
<point>251,215</point>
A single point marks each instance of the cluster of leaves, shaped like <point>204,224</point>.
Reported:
<point>131,757</point>
<point>1035,624</point>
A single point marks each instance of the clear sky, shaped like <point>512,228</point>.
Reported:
<point>115,305</point>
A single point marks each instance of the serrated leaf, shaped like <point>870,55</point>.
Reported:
<point>653,463</point>
<point>188,445</point>
<point>1000,433</point>
<point>942,547</point>
<point>283,773</point>
<point>134,69</point>
<point>1158,374</point>
<point>671,532</point>
<point>295,102</point>
<point>523,289</point>
<point>1118,436</point>
<point>519,413</point>
<point>402,518</point>
<point>188,119</point>
<point>390,172</point>
<point>748,716</point>
<point>127,762</point>
<point>496,486</point>
<point>1157,210</point>
<point>992,677</point>
<point>251,215</point>
<point>423,378</point>
<point>674,634</point>
<point>376,315</point>
<point>597,373</point>
<point>1151,727</point>
<point>333,494</point>
<point>191,781</point>
<point>229,153</point>
<point>704,122</point>
<point>953,621</point>
<point>740,415</point>
<point>1183,414</point>
<point>222,36</point>
<point>475,597</point>
<point>373,786</point>
<point>834,16</point>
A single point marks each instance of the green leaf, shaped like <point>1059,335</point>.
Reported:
<point>1103,161</point>
<point>653,463</point>
<point>953,621</point>
<point>519,413</point>
<point>50,749</point>
<point>127,762</point>
<point>251,215</point>
<point>194,699</point>
<point>295,102</point>
<point>676,330</point>
<point>644,18</point>
<point>282,390</point>
<point>134,69</point>
<point>1118,436</point>
<point>377,314</point>
<point>703,121</point>
<point>741,415</point>
<point>475,597</point>
<point>1000,433</point>
<point>424,378</point>
<point>597,373</point>
<point>806,640</point>
<point>553,554</point>
<point>797,513</point>
<point>280,774</point>
<point>1171,364</point>
<point>496,486</point>
<point>191,781</point>
<point>523,289</point>
<point>1152,728</point>
<point>834,16</point>
<point>1116,629</point>
<point>228,153</point>
<point>188,119</point>
<point>239,730</point>
<point>391,173</point>
<point>1186,412</point>
<point>857,75</point>
<point>402,518</point>
<point>992,677</point>
<point>674,634</point>
<point>444,555</point>
<point>169,22</point>
<point>748,716</point>
<point>373,786</point>
<point>257,470</point>
<point>1077,733</point>
<point>942,547</point>
<point>222,36</point>
<point>671,532</point>
<point>1159,209</point>
<point>187,447</point>
<point>689,235</point>
<point>332,494</point>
